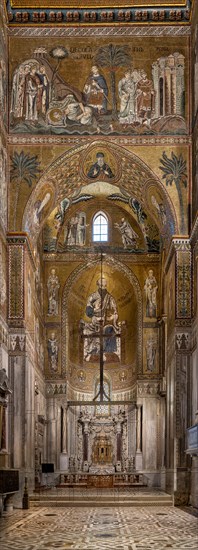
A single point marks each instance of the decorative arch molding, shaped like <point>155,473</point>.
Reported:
<point>110,261</point>
<point>67,182</point>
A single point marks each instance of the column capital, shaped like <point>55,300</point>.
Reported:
<point>178,243</point>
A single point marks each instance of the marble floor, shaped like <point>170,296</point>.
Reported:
<point>151,528</point>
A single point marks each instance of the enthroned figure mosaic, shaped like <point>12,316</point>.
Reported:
<point>103,325</point>
<point>114,88</point>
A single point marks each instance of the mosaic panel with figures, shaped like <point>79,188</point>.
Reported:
<point>109,87</point>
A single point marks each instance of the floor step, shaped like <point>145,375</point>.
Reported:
<point>100,503</point>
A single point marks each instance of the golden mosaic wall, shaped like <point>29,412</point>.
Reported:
<point>98,125</point>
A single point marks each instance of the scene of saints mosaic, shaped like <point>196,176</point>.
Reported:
<point>104,87</point>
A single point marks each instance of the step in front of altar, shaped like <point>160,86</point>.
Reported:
<point>97,497</point>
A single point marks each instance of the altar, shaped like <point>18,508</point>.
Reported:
<point>100,481</point>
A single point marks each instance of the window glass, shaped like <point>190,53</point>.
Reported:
<point>100,227</point>
<point>103,410</point>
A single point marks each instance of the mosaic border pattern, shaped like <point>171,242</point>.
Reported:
<point>78,140</point>
<point>16,282</point>
<point>113,30</point>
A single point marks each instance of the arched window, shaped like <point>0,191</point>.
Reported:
<point>102,410</point>
<point>100,227</point>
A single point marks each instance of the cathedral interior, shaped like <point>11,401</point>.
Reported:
<point>98,259</point>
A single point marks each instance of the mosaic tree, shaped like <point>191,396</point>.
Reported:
<point>113,57</point>
<point>24,168</point>
<point>174,170</point>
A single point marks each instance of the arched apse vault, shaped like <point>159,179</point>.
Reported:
<point>70,176</point>
<point>113,265</point>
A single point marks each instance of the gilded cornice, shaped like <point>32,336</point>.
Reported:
<point>106,12</point>
<point>72,4</point>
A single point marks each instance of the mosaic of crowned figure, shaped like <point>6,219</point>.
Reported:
<point>102,310</point>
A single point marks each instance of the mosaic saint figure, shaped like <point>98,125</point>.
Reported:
<point>53,286</point>
<point>42,356</point>
<point>129,237</point>
<point>150,288</point>
<point>150,355</point>
<point>101,306</point>
<point>145,99</point>
<point>31,93</point>
<point>17,107</point>
<point>72,230</point>
<point>126,92</point>
<point>3,85</point>
<point>96,91</point>
<point>29,296</point>
<point>43,91</point>
<point>52,348</point>
<point>76,230</point>
<point>100,169</point>
<point>38,209</point>
<point>161,211</point>
<point>81,229</point>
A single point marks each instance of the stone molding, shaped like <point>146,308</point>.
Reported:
<point>148,389</point>
<point>132,29</point>
<point>181,243</point>
<point>78,256</point>
<point>52,389</point>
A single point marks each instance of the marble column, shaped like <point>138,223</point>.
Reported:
<point>64,454</point>
<point>138,455</point>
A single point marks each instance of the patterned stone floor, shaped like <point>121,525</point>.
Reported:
<point>150,528</point>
